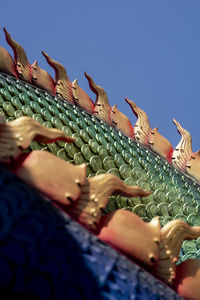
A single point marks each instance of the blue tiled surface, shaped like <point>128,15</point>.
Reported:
<point>45,255</point>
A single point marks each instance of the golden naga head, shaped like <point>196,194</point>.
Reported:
<point>38,168</point>
<point>94,198</point>
<point>15,136</point>
<point>172,236</point>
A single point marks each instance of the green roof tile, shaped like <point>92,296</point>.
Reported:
<point>106,150</point>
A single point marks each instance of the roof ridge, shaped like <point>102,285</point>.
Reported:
<point>71,92</point>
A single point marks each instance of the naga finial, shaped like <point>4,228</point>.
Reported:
<point>23,66</point>
<point>81,98</point>
<point>172,236</point>
<point>18,134</point>
<point>7,64</point>
<point>121,122</point>
<point>102,106</point>
<point>142,127</point>
<point>42,79</point>
<point>183,151</point>
<point>160,145</point>
<point>94,198</point>
<point>37,168</point>
<point>63,84</point>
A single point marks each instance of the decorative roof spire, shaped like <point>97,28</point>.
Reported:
<point>81,98</point>
<point>183,151</point>
<point>18,134</point>
<point>7,64</point>
<point>172,236</point>
<point>63,84</point>
<point>160,145</point>
<point>22,64</point>
<point>102,106</point>
<point>94,198</point>
<point>42,79</point>
<point>142,127</point>
<point>121,122</point>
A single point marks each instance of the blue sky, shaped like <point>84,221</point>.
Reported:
<point>147,50</point>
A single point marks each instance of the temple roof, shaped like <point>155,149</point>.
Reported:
<point>44,254</point>
<point>132,168</point>
<point>106,150</point>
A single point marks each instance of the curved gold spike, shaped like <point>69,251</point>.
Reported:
<point>63,84</point>
<point>102,106</point>
<point>81,98</point>
<point>121,122</point>
<point>63,186</point>
<point>183,150</point>
<point>172,236</point>
<point>7,64</point>
<point>42,79</point>
<point>130,234</point>
<point>94,198</point>
<point>187,282</point>
<point>193,166</point>
<point>160,145</point>
<point>142,127</point>
<point>18,134</point>
<point>22,65</point>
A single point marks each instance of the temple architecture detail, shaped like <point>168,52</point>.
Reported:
<point>92,206</point>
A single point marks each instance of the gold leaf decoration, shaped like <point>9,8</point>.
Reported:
<point>94,198</point>
<point>183,150</point>
<point>121,122</point>
<point>172,236</point>
<point>142,126</point>
<point>7,64</point>
<point>22,65</point>
<point>130,234</point>
<point>160,145</point>
<point>18,134</point>
<point>42,79</point>
<point>52,176</point>
<point>102,106</point>
<point>81,98</point>
<point>63,84</point>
